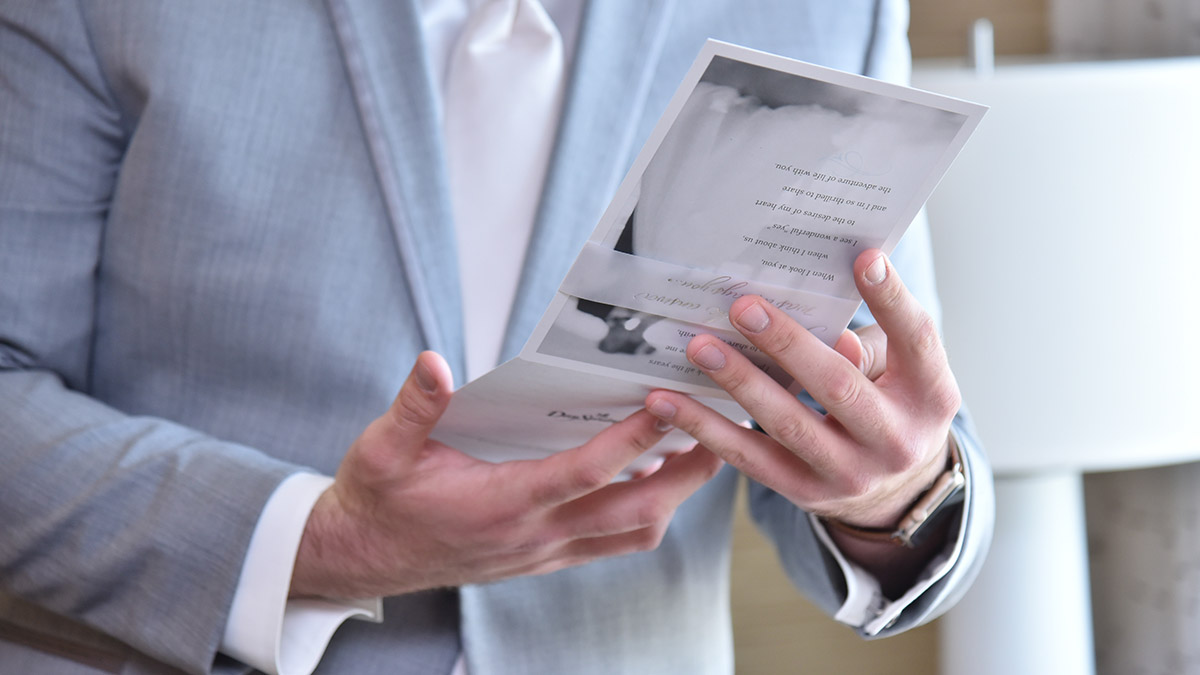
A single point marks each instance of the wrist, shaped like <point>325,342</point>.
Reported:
<point>326,559</point>
<point>253,630</point>
<point>915,521</point>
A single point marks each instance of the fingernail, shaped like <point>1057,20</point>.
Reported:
<point>664,411</point>
<point>754,318</point>
<point>709,358</point>
<point>876,271</point>
<point>425,379</point>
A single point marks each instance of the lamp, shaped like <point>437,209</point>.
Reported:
<point>1066,235</point>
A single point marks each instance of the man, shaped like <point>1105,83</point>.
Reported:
<point>225,236</point>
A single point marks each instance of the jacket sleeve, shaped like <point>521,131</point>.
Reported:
<point>811,564</point>
<point>134,526</point>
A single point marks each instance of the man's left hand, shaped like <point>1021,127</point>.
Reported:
<point>888,392</point>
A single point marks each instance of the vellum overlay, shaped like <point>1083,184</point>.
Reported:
<point>765,176</point>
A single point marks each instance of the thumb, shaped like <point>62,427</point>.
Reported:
<point>421,401</point>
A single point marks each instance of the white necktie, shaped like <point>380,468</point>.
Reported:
<point>503,93</point>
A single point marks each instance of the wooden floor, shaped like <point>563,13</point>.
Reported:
<point>778,632</point>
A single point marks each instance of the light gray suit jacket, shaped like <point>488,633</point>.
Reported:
<point>225,235</point>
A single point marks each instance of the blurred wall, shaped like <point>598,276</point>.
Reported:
<point>939,28</point>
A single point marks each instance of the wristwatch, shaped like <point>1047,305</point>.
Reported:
<point>947,491</point>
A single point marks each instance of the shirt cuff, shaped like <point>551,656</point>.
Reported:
<point>865,606</point>
<point>265,629</point>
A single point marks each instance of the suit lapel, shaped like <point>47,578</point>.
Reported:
<point>619,43</point>
<point>385,58</point>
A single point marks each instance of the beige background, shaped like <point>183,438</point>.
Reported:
<point>775,629</point>
<point>940,27</point>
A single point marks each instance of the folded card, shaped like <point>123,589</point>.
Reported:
<point>765,176</point>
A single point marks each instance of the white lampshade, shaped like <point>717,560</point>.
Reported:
<point>1066,237</point>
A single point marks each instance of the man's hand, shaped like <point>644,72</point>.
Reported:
<point>888,392</point>
<point>407,513</point>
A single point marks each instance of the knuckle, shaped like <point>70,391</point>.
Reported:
<point>496,537</point>
<point>892,295</point>
<point>557,564</point>
<point>372,453</point>
<point>736,379</point>
<point>572,561</point>
<point>606,523</point>
<point>737,456</point>
<point>649,538</point>
<point>409,410</point>
<point>925,338</point>
<point>779,342</point>
<point>902,451</point>
<point>509,521</point>
<point>645,438</point>
<point>905,457</point>
<point>843,388</point>
<point>545,490</point>
<point>793,431</point>
<point>894,439</point>
<point>652,512</point>
<point>535,545</point>
<point>946,398</point>
<point>553,490</point>
<point>554,481</point>
<point>856,484</point>
<point>587,477</point>
<point>547,494</point>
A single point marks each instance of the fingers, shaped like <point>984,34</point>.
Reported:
<point>624,517</point>
<point>912,336</point>
<point>421,401</point>
<point>865,347</point>
<point>905,339</point>
<point>887,392</point>
<point>615,519</point>
<point>755,454</point>
<point>830,378</point>
<point>915,355</point>
<point>573,473</point>
<point>583,551</point>
<point>638,504</point>
<point>873,343</point>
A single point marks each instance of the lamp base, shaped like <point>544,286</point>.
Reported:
<point>1029,611</point>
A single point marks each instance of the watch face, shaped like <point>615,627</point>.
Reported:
<point>934,507</point>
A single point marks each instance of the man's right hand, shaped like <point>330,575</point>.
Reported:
<point>407,513</point>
